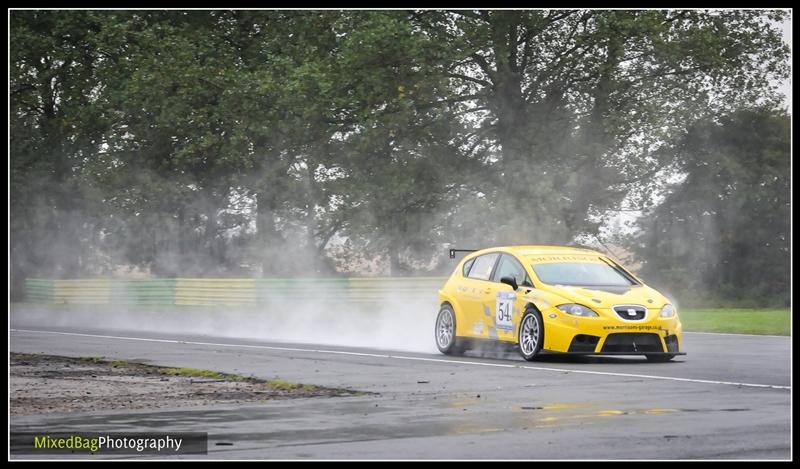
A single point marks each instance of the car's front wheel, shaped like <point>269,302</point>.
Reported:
<point>531,334</point>
<point>446,340</point>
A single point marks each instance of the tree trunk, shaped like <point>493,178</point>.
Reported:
<point>267,236</point>
<point>396,268</point>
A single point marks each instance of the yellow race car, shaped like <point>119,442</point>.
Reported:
<point>554,299</point>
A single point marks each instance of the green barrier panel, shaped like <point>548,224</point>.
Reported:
<point>143,291</point>
<point>40,290</point>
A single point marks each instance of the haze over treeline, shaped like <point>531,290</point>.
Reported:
<point>303,143</point>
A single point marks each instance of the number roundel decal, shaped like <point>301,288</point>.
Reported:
<point>505,310</point>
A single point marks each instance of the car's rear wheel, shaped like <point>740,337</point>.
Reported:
<point>531,334</point>
<point>660,358</point>
<point>446,340</point>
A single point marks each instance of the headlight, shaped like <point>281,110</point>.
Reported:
<point>578,310</point>
<point>667,311</point>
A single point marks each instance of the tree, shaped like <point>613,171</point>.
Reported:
<point>722,233</point>
<point>577,103</point>
<point>256,142</point>
<point>404,155</point>
<point>55,128</point>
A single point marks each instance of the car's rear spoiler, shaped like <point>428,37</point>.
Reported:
<point>454,251</point>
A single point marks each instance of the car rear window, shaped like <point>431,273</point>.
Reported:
<point>467,266</point>
<point>482,268</point>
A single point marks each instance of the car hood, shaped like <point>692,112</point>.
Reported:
<point>606,297</point>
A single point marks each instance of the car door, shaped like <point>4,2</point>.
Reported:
<point>476,291</point>
<point>507,308</point>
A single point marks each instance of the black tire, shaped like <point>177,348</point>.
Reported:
<point>530,341</point>
<point>660,358</point>
<point>440,336</point>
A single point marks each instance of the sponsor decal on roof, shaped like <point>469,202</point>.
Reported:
<point>565,258</point>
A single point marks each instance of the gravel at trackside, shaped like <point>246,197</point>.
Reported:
<point>44,384</point>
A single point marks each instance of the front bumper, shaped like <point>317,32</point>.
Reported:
<point>607,335</point>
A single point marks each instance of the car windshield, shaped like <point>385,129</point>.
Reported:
<point>582,274</point>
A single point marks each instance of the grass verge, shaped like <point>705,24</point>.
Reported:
<point>737,320</point>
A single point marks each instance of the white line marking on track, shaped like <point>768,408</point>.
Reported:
<point>730,333</point>
<point>404,357</point>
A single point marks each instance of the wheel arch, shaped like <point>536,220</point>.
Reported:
<point>460,319</point>
<point>532,310</point>
<point>542,323</point>
<point>531,304</point>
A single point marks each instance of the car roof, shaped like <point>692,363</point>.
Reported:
<point>534,250</point>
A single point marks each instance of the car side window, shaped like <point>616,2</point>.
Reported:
<point>467,266</point>
<point>510,267</point>
<point>482,267</point>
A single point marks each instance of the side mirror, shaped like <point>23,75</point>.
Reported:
<point>510,281</point>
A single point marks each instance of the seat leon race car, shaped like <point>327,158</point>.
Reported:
<point>554,299</point>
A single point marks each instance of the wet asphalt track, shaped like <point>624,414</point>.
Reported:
<point>729,398</point>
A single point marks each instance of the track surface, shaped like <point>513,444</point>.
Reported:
<point>728,399</point>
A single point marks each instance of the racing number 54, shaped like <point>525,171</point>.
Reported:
<point>504,310</point>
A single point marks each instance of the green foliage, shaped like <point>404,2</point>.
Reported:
<point>55,132</point>
<point>294,142</point>
<point>723,232</point>
<point>579,102</point>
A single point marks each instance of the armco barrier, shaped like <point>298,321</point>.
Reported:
<point>232,291</point>
<point>40,291</point>
<point>212,291</point>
